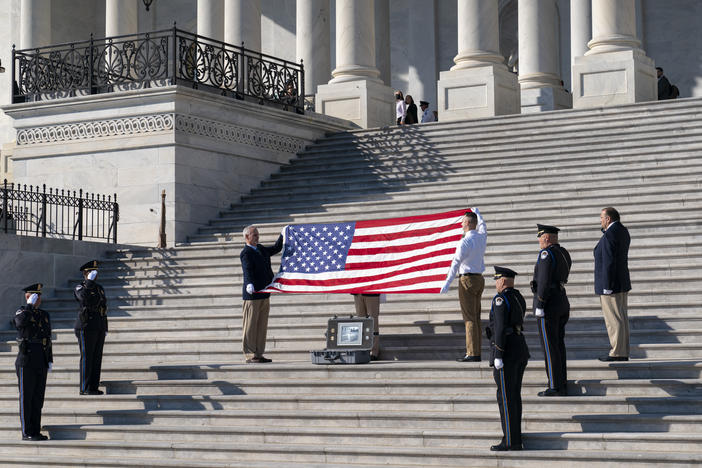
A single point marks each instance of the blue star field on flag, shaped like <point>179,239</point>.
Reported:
<point>316,248</point>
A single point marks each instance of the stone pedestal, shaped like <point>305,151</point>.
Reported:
<point>366,103</point>
<point>545,99</point>
<point>472,93</point>
<point>612,79</point>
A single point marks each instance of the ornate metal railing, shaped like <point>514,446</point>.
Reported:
<point>153,59</point>
<point>34,211</point>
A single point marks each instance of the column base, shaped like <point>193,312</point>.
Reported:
<point>472,93</point>
<point>366,103</point>
<point>613,78</point>
<point>547,98</point>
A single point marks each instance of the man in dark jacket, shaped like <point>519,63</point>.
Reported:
<point>258,273</point>
<point>90,328</point>
<point>509,356</point>
<point>612,282</point>
<point>665,89</point>
<point>34,360</point>
<point>551,306</point>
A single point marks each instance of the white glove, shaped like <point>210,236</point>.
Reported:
<point>249,288</point>
<point>499,364</point>
<point>92,275</point>
<point>607,291</point>
<point>445,288</point>
<point>33,299</point>
<point>539,312</point>
<point>51,366</point>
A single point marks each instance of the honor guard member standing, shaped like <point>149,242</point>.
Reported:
<point>551,306</point>
<point>258,273</point>
<point>468,263</point>
<point>509,356</point>
<point>34,360</point>
<point>90,328</point>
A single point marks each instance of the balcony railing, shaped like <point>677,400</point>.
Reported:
<point>154,59</point>
<point>32,211</point>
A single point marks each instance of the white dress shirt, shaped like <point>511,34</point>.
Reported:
<point>427,116</point>
<point>470,252</point>
<point>401,109</point>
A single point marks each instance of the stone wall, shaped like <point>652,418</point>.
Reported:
<point>52,262</point>
<point>203,149</point>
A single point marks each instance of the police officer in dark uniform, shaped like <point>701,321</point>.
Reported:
<point>34,360</point>
<point>509,356</point>
<point>90,328</point>
<point>551,306</point>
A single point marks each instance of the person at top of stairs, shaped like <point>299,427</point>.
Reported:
<point>90,328</point>
<point>469,264</point>
<point>509,356</point>
<point>551,306</point>
<point>34,359</point>
<point>258,273</point>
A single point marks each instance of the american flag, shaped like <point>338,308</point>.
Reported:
<point>398,255</point>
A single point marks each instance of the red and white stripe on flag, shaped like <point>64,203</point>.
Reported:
<point>398,255</point>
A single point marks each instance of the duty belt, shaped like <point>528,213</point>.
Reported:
<point>517,330</point>
<point>41,341</point>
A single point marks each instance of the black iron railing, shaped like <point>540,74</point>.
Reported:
<point>154,59</point>
<point>34,211</point>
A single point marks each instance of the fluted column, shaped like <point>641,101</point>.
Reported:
<point>35,23</point>
<point>615,70</point>
<point>355,41</point>
<point>121,17</point>
<point>356,92</point>
<point>580,30</point>
<point>539,77</point>
<point>242,23</point>
<point>210,19</point>
<point>478,34</point>
<point>382,40</point>
<point>479,84</point>
<point>313,42</point>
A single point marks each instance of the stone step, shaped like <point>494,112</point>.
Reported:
<point>166,454</point>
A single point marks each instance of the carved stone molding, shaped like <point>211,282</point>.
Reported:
<point>95,129</point>
<point>237,134</point>
<point>158,123</point>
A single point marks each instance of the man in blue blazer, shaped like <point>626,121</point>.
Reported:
<point>612,282</point>
<point>258,273</point>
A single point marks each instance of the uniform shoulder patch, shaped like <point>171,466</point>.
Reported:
<point>19,311</point>
<point>544,254</point>
<point>498,301</point>
<point>79,287</point>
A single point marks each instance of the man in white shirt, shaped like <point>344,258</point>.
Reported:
<point>468,263</point>
<point>427,115</point>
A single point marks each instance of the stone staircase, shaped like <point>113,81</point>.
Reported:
<point>179,395</point>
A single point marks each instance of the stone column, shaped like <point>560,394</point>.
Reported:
<point>356,92</point>
<point>242,23</point>
<point>615,70</point>
<point>479,84</point>
<point>313,42</point>
<point>382,40</point>
<point>580,30</point>
<point>539,78</point>
<point>121,17</point>
<point>210,19</point>
<point>35,23</point>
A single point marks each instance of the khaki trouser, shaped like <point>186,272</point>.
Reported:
<point>614,308</point>
<point>369,306</point>
<point>255,327</point>
<point>470,291</point>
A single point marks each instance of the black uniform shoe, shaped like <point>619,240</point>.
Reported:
<point>93,392</point>
<point>553,392</point>
<point>35,438</point>
<point>503,448</point>
<point>264,359</point>
<point>374,357</point>
<point>467,358</point>
<point>612,358</point>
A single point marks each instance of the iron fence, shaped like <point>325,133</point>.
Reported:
<point>34,211</point>
<point>154,59</point>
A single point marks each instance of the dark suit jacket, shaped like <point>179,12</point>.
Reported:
<point>664,89</point>
<point>612,260</point>
<point>256,264</point>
